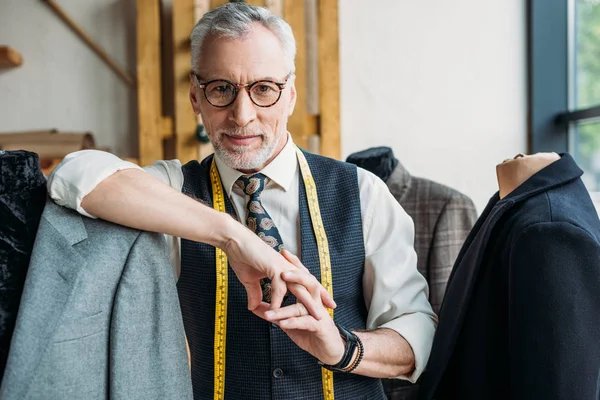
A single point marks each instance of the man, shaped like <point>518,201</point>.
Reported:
<point>242,83</point>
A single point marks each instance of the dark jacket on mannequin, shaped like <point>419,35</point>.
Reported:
<point>22,199</point>
<point>521,315</point>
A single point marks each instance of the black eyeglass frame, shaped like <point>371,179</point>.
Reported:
<point>238,86</point>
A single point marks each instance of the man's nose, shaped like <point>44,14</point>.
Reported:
<point>243,110</point>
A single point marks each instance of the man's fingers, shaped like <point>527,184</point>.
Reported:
<point>291,311</point>
<point>254,294</point>
<point>327,299</point>
<point>293,259</point>
<point>312,284</point>
<point>278,291</point>
<point>261,309</point>
<point>305,323</point>
<point>303,278</point>
<point>303,296</point>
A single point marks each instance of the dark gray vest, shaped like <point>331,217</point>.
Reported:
<point>261,361</point>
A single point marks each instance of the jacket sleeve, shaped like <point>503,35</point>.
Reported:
<point>148,356</point>
<point>554,313</point>
<point>451,230</point>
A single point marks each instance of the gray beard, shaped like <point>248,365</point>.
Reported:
<point>238,160</point>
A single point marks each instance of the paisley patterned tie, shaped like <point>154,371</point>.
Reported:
<point>258,220</point>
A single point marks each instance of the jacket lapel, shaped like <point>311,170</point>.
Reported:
<point>52,273</point>
<point>457,296</point>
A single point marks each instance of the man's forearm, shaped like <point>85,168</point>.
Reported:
<point>386,354</point>
<point>136,199</point>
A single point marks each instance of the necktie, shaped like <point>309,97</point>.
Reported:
<point>258,219</point>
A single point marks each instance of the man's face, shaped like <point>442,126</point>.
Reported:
<point>245,136</point>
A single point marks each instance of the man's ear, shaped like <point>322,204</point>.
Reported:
<point>293,94</point>
<point>195,93</point>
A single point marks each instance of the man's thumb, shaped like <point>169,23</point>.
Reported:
<point>254,295</point>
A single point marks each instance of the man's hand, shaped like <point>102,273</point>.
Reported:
<point>251,259</point>
<point>386,353</point>
<point>319,337</point>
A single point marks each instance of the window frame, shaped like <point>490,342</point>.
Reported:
<point>550,95</point>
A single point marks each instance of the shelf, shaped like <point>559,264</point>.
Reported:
<point>9,57</point>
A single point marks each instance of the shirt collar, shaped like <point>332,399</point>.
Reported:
<point>281,170</point>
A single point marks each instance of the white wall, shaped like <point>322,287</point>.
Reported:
<point>61,83</point>
<point>441,82</point>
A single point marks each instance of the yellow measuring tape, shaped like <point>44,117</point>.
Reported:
<point>221,269</point>
<point>221,297</point>
<point>323,248</point>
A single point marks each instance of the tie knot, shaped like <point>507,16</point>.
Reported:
<point>252,185</point>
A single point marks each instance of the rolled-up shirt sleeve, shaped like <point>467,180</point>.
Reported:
<point>79,173</point>
<point>395,292</point>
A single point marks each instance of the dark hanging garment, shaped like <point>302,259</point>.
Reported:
<point>521,315</point>
<point>22,199</point>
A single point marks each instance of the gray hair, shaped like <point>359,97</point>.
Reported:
<point>235,20</point>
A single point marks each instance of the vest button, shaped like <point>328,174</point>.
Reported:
<point>274,325</point>
<point>277,373</point>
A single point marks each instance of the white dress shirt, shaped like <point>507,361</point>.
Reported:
<point>395,293</point>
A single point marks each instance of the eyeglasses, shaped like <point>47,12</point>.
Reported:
<point>222,93</point>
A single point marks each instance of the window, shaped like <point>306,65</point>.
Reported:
<point>564,81</point>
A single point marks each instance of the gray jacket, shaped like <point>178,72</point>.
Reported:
<point>99,317</point>
<point>443,218</point>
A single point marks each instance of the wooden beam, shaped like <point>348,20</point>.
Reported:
<point>258,3</point>
<point>329,78</point>
<point>312,58</point>
<point>186,145</point>
<point>203,150</point>
<point>275,6</point>
<point>217,3</point>
<point>293,12</point>
<point>166,127</point>
<point>112,64</point>
<point>9,57</point>
<point>150,118</point>
<point>312,124</point>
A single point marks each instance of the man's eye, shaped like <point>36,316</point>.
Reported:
<point>263,89</point>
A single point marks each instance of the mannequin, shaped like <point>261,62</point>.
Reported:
<point>522,307</point>
<point>378,160</point>
<point>22,199</point>
<point>442,216</point>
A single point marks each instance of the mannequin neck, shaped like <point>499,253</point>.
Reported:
<point>514,172</point>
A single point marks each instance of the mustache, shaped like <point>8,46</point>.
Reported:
<point>240,132</point>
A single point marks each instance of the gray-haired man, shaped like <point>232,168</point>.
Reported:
<point>242,83</point>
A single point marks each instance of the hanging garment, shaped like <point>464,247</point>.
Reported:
<point>99,317</point>
<point>442,216</point>
<point>22,199</point>
<point>522,308</point>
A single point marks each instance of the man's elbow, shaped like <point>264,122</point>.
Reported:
<point>404,367</point>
